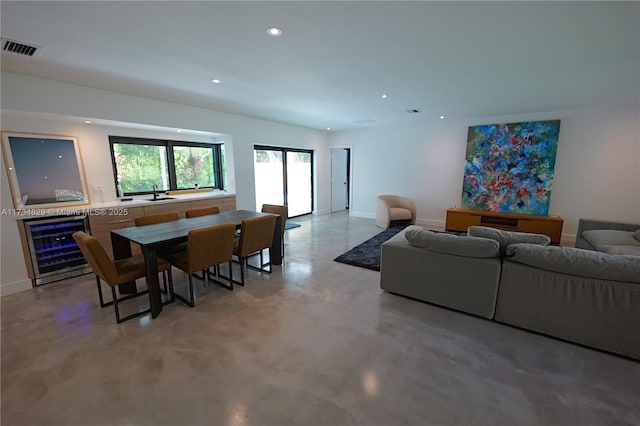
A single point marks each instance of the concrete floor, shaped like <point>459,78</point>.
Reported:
<point>315,343</point>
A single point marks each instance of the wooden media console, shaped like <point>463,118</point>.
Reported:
<point>461,219</point>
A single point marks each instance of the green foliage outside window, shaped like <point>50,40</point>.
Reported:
<point>141,166</point>
<point>138,166</point>
<point>194,165</point>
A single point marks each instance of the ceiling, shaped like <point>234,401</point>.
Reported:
<point>334,60</point>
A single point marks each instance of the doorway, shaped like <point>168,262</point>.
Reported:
<point>340,179</point>
<point>284,176</point>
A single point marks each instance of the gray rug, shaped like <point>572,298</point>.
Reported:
<point>367,254</point>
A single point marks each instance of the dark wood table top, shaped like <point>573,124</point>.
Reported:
<point>178,230</point>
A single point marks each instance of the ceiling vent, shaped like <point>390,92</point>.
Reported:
<point>413,111</point>
<point>19,48</point>
<point>364,122</point>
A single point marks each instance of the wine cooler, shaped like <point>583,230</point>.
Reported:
<point>54,253</point>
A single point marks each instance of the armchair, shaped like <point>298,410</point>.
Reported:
<point>394,207</point>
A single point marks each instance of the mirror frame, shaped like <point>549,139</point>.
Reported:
<point>16,193</point>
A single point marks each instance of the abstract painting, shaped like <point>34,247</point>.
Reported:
<point>509,167</point>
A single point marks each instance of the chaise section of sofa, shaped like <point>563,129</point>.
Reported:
<point>461,273</point>
<point>583,296</point>
<point>608,237</point>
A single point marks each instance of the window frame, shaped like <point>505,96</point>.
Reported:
<point>285,176</point>
<point>169,145</point>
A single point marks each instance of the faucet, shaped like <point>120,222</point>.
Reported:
<point>155,193</point>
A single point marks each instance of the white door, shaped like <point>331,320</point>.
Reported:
<point>339,189</point>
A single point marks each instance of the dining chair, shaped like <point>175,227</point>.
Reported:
<point>283,211</point>
<point>205,211</point>
<point>256,234</point>
<point>206,247</point>
<point>161,218</point>
<point>155,218</point>
<point>117,272</point>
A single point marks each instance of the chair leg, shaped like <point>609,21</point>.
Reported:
<point>262,266</point>
<point>191,294</point>
<point>243,261</point>
<point>115,304</point>
<point>119,319</point>
<point>172,295</point>
<point>164,281</point>
<point>102,304</point>
<point>229,278</point>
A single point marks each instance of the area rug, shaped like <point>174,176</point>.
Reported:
<point>291,225</point>
<point>367,254</point>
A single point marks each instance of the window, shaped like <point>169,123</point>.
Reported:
<point>138,164</point>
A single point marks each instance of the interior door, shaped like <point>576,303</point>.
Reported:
<point>339,179</point>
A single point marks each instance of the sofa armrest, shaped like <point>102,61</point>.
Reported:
<point>592,224</point>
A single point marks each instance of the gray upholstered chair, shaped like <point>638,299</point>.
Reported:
<point>395,208</point>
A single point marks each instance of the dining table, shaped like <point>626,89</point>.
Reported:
<point>161,237</point>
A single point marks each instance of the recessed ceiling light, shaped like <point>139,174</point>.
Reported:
<point>216,81</point>
<point>87,122</point>
<point>274,31</point>
<point>328,128</point>
<point>384,96</point>
<point>442,117</point>
<point>179,131</point>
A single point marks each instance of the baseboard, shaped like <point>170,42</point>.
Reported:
<point>17,287</point>
<point>568,240</point>
<point>365,215</point>
<point>437,225</point>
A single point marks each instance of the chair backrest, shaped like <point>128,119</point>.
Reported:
<point>398,201</point>
<point>210,246</point>
<point>256,234</point>
<point>203,211</point>
<point>283,211</point>
<point>97,257</point>
<point>156,218</point>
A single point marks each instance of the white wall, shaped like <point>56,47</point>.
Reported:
<point>597,172</point>
<point>36,105</point>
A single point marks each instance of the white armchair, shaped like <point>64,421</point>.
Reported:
<point>394,207</point>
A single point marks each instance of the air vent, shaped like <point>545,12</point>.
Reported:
<point>413,111</point>
<point>363,122</point>
<point>19,48</point>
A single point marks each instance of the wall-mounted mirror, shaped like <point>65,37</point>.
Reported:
<point>44,170</point>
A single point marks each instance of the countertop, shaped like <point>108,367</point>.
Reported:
<point>137,201</point>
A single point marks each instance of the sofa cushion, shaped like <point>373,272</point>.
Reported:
<point>574,261</point>
<point>441,242</point>
<point>506,237</point>
<point>629,250</point>
<point>636,235</point>
<point>603,239</point>
<point>398,213</point>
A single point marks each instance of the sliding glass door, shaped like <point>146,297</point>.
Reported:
<point>284,176</point>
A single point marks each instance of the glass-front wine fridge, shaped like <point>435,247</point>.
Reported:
<point>54,253</point>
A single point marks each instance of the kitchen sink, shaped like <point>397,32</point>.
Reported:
<point>161,198</point>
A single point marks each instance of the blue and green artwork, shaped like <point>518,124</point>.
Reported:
<point>509,167</point>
